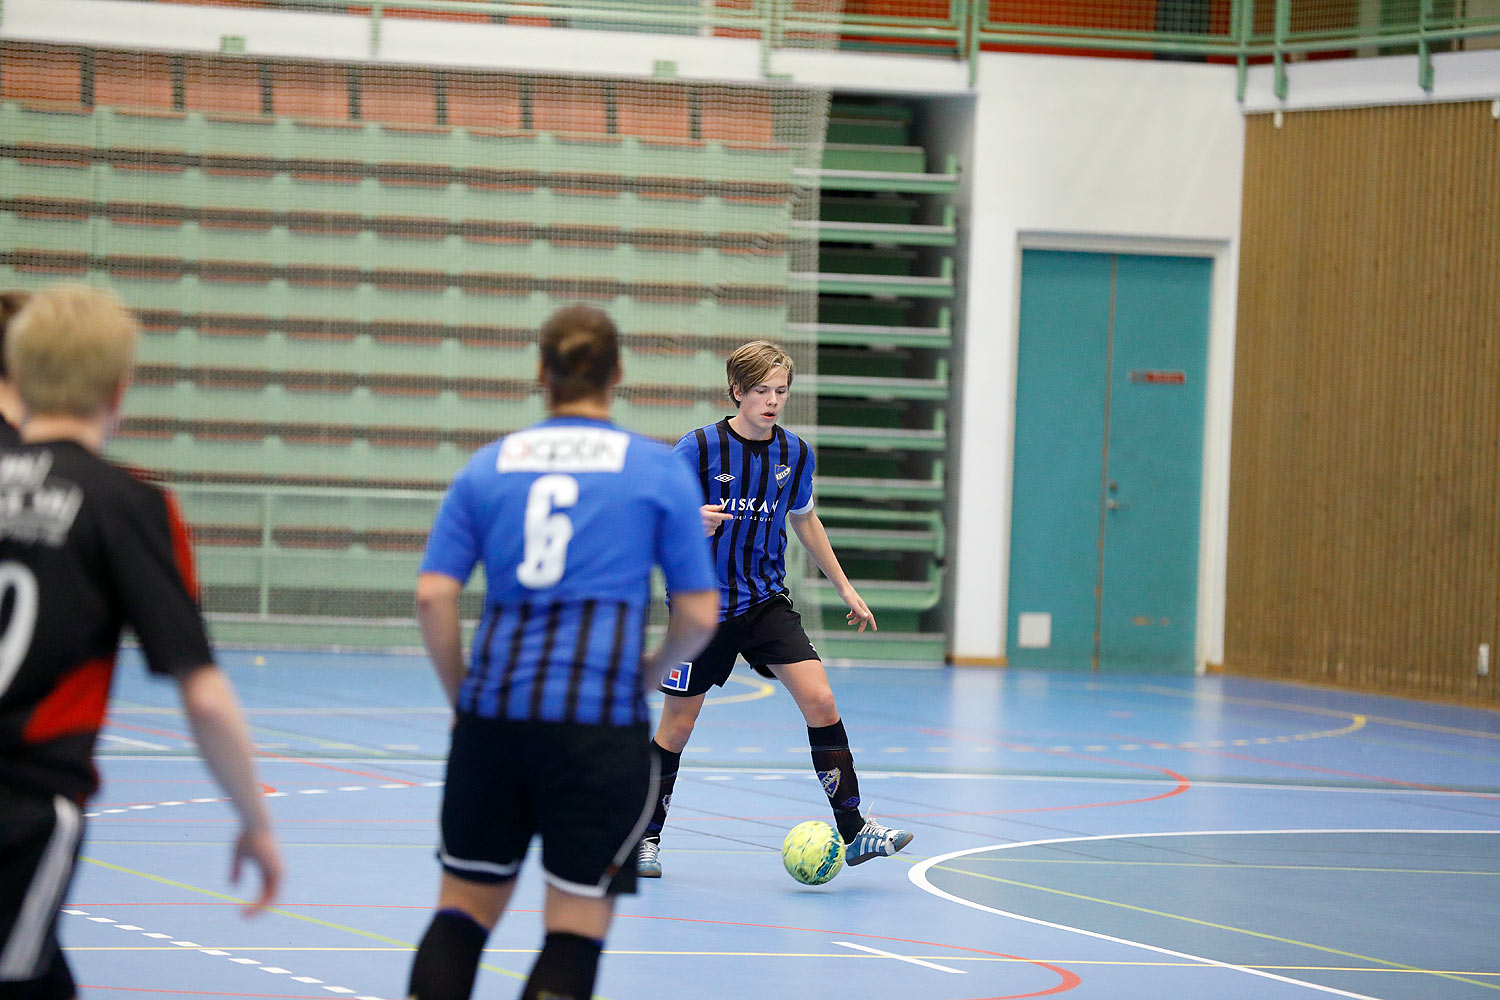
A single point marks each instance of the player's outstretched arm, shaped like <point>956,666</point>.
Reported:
<point>693,621</point>
<point>442,636</point>
<point>224,739</point>
<point>814,538</point>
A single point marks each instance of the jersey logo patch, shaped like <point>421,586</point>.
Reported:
<point>724,477</point>
<point>677,677</point>
<point>830,780</point>
<point>782,472</point>
<point>563,449</point>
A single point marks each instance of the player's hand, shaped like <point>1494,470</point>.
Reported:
<point>859,612</point>
<point>259,847</point>
<point>713,515</point>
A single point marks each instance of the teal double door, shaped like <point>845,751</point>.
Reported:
<point>1108,461</point>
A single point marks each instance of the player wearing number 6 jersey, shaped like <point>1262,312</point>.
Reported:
<point>86,548</point>
<point>568,517</point>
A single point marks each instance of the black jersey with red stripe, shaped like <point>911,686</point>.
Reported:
<point>86,550</point>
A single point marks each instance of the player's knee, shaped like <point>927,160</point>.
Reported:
<point>677,722</point>
<point>819,708</point>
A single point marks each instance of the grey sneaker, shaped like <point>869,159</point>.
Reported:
<point>648,860</point>
<point>872,841</point>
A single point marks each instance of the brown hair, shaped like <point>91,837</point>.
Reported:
<point>11,304</point>
<point>753,363</point>
<point>580,353</point>
<point>70,350</point>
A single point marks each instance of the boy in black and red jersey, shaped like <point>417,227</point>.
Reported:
<point>10,404</point>
<point>86,549</point>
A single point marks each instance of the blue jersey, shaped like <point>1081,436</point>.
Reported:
<point>758,482</point>
<point>568,517</point>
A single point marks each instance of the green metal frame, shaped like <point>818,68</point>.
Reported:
<point>965,30</point>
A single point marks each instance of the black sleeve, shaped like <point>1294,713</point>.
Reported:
<point>152,564</point>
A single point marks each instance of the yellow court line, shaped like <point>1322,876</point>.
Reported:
<point>1428,727</point>
<point>401,945</point>
<point>1217,926</point>
<point>758,689</point>
<point>944,956</point>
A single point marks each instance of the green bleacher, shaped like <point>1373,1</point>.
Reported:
<point>340,271</point>
<point>339,307</point>
<point>885,283</point>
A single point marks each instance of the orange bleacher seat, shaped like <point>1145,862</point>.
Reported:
<point>311,91</point>
<point>438,15</point>
<point>658,111</point>
<point>575,106</point>
<point>225,86</point>
<point>398,96</point>
<point>41,73</point>
<point>483,100</point>
<point>133,80</point>
<point>737,115</point>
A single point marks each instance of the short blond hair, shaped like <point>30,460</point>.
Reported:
<point>70,349</point>
<point>753,363</point>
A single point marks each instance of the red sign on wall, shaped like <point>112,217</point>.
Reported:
<point>1159,378</point>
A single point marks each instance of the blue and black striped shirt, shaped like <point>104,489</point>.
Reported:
<point>758,482</point>
<point>568,517</point>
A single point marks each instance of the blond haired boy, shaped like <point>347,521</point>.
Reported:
<point>87,548</point>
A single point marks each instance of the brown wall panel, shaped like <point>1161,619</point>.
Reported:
<point>1364,520</point>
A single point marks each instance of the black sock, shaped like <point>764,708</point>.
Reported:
<point>835,766</point>
<point>669,762</point>
<point>448,957</point>
<point>566,968</point>
<point>55,983</point>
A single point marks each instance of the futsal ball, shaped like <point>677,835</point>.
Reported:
<point>813,852</point>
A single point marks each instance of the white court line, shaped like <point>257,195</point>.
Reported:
<point>127,741</point>
<point>1200,784</point>
<point>900,958</point>
<point>918,876</point>
<point>248,963</point>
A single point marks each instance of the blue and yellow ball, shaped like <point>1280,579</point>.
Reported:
<point>813,852</point>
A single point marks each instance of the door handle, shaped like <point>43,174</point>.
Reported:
<point>1113,504</point>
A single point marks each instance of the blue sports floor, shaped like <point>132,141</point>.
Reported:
<point>1089,838</point>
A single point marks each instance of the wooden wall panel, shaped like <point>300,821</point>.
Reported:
<point>1364,521</point>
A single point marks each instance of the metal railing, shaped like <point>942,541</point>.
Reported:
<point>1239,31</point>
<point>256,515</point>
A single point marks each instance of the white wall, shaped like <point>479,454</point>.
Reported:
<point>1088,154</point>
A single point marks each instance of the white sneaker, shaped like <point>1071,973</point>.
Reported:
<point>872,841</point>
<point>648,861</point>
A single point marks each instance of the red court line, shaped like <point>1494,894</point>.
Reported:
<point>1251,759</point>
<point>267,753</point>
<point>342,770</point>
<point>1070,980</point>
<point>1183,782</point>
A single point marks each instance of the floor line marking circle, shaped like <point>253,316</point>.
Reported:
<point>919,878</point>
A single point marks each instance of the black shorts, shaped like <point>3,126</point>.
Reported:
<point>587,790</point>
<point>38,849</point>
<point>769,633</point>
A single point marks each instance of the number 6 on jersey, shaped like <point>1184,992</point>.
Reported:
<point>548,531</point>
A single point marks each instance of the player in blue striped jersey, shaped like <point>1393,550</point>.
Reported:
<point>755,477</point>
<point>568,517</point>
